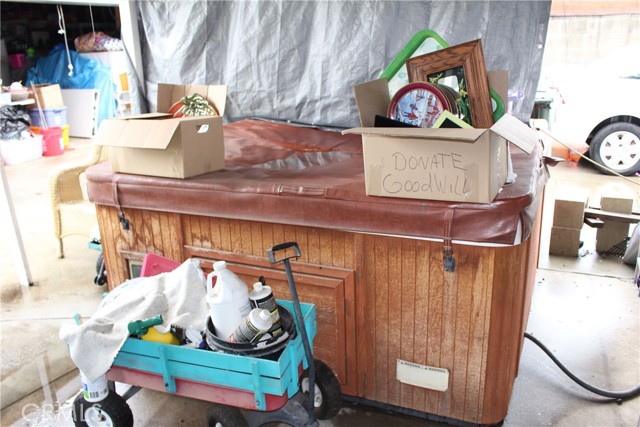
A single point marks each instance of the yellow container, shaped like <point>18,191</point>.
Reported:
<point>65,135</point>
<point>166,338</point>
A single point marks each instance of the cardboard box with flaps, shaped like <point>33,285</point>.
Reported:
<point>158,145</point>
<point>461,165</point>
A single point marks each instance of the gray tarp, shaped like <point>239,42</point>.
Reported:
<point>298,60</point>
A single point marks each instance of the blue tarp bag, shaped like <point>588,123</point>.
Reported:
<point>87,74</point>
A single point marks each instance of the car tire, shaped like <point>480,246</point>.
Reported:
<point>617,147</point>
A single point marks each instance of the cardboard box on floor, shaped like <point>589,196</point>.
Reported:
<point>564,241</point>
<point>48,95</point>
<point>158,145</point>
<point>569,206</point>
<point>460,165</point>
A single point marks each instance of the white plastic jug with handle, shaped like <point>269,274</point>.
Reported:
<point>227,298</point>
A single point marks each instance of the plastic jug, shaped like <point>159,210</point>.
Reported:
<point>227,298</point>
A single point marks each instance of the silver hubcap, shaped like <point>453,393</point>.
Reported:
<point>96,417</point>
<point>620,150</point>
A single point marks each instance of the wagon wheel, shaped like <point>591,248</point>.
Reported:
<point>225,416</point>
<point>101,271</point>
<point>112,411</point>
<point>327,394</point>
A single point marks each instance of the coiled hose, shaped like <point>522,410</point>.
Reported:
<point>618,395</point>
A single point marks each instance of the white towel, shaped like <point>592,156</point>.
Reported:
<point>179,296</point>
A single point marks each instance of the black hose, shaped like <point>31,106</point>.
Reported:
<point>619,395</point>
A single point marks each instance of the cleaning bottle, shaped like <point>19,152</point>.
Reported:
<point>227,298</point>
<point>261,296</point>
<point>254,326</point>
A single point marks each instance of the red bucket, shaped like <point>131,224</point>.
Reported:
<point>52,142</point>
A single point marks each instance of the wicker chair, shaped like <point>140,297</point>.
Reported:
<point>73,213</point>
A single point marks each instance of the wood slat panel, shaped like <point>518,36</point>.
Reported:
<point>380,324</point>
<point>175,250</point>
<point>505,335</point>
<point>112,259</point>
<point>236,236</point>
<point>225,234</point>
<point>478,332</point>
<point>447,343</point>
<point>313,243</point>
<point>395,310</point>
<point>368,317</point>
<point>246,241</point>
<point>215,240</point>
<point>361,315</point>
<point>410,330</point>
<point>434,321</point>
<point>466,266</point>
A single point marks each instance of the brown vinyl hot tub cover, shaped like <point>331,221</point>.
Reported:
<point>281,173</point>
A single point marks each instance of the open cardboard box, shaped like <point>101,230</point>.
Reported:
<point>157,144</point>
<point>460,165</point>
<point>48,95</point>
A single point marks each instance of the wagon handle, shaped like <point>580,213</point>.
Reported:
<point>283,247</point>
<point>298,313</point>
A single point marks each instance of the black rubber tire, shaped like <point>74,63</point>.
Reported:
<point>101,271</point>
<point>114,407</point>
<point>329,387</point>
<point>226,416</point>
<point>605,138</point>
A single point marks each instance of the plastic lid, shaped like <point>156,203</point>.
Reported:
<point>257,286</point>
<point>219,265</point>
<point>264,314</point>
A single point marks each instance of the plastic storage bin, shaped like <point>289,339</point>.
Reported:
<point>18,151</point>
<point>53,116</point>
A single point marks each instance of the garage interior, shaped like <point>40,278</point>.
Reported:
<point>585,309</point>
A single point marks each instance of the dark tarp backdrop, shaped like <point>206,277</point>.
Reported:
<point>298,60</point>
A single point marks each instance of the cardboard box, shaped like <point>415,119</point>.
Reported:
<point>613,232</point>
<point>49,96</point>
<point>564,241</point>
<point>460,165</point>
<point>612,236</point>
<point>569,207</point>
<point>616,204</point>
<point>157,144</point>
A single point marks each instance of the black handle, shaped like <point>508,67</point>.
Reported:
<point>283,247</point>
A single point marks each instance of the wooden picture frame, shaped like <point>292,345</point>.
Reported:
<point>465,62</point>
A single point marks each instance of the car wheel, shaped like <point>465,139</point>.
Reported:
<point>617,147</point>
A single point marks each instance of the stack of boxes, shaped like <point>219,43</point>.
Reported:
<point>54,112</point>
<point>568,219</point>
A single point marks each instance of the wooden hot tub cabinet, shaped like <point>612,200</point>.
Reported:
<point>372,266</point>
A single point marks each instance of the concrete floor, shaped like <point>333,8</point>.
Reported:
<point>585,309</point>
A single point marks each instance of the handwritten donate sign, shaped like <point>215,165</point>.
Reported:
<point>426,175</point>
